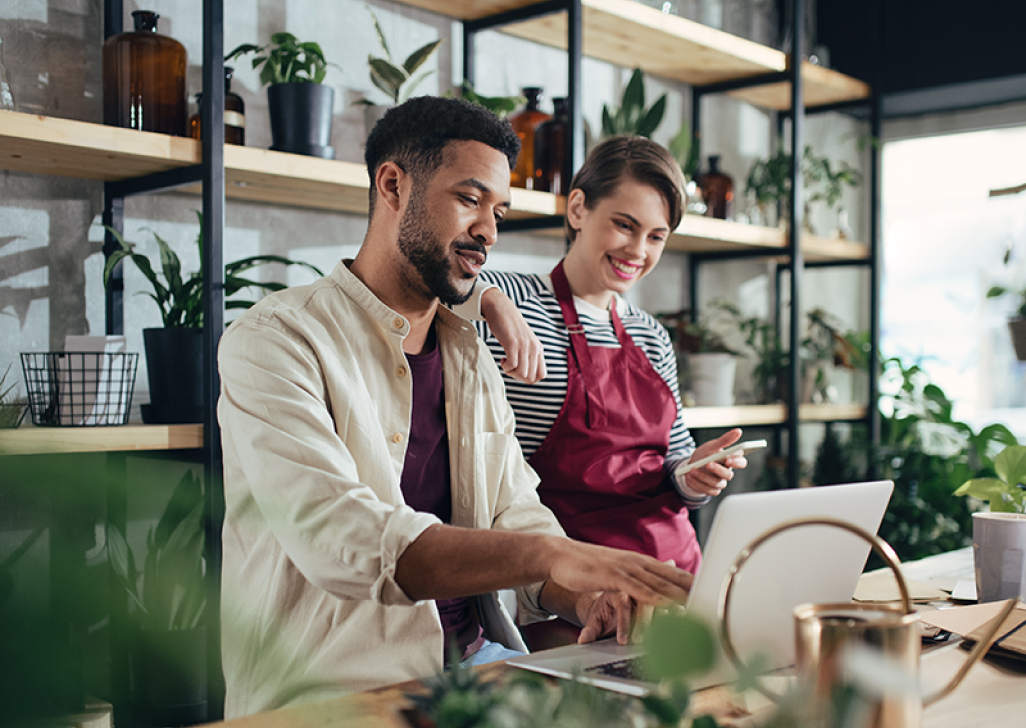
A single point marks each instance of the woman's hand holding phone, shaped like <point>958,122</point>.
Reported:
<point>712,464</point>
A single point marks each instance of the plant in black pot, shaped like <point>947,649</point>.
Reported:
<point>167,639</point>
<point>299,103</point>
<point>174,353</point>
<point>1017,320</point>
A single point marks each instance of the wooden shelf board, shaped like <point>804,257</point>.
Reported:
<point>768,414</point>
<point>45,145</point>
<point>697,234</point>
<point>822,87</point>
<point>629,34</point>
<point>30,440</point>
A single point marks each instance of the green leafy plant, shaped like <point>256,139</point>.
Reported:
<point>1020,296</point>
<point>397,81</point>
<point>685,151</point>
<point>12,411</point>
<point>1005,492</point>
<point>459,698</point>
<point>928,454</point>
<point>710,334</point>
<point>180,299</point>
<point>501,106</point>
<point>631,117</point>
<point>172,595</point>
<point>769,180</point>
<point>286,60</point>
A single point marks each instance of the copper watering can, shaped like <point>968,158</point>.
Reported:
<point>831,639</point>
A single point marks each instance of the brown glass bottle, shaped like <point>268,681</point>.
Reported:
<point>234,114</point>
<point>524,122</point>
<point>144,79</point>
<point>717,190</point>
<point>552,171</point>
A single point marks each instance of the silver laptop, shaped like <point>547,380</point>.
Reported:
<point>809,564</point>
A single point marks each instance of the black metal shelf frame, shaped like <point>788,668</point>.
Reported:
<point>796,262</point>
<point>210,172</point>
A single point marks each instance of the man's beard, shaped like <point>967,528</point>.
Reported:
<point>429,255</point>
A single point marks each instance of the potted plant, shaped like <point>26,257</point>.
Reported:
<point>174,353</point>
<point>711,362</point>
<point>1017,322</point>
<point>769,182</point>
<point>827,345</point>
<point>299,103</point>
<point>12,410</point>
<point>631,116</point>
<point>501,106</point>
<point>999,534</point>
<point>395,80</point>
<point>168,598</point>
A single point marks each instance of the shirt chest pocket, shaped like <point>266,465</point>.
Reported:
<point>477,501</point>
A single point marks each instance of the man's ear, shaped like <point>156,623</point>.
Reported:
<point>389,181</point>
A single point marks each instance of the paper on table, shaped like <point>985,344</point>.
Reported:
<point>880,586</point>
<point>969,620</point>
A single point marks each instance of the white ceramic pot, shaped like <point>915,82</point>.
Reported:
<point>999,555</point>
<point>712,379</point>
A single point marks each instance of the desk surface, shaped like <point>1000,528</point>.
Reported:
<point>992,695</point>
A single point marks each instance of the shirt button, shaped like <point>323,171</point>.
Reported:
<point>398,323</point>
<point>397,437</point>
<point>400,371</point>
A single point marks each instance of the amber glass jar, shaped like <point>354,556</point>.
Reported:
<point>524,122</point>
<point>717,190</point>
<point>144,79</point>
<point>552,171</point>
<point>234,114</point>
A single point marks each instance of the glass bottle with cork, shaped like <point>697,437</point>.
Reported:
<point>144,79</point>
<point>717,190</point>
<point>552,171</point>
<point>524,123</point>
<point>234,114</point>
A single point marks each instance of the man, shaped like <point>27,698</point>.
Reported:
<point>376,496</point>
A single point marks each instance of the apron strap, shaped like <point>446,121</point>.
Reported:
<point>579,347</point>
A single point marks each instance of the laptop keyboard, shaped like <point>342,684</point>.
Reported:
<point>626,669</point>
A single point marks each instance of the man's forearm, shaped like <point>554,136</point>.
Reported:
<point>447,562</point>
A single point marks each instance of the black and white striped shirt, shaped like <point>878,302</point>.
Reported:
<point>537,405</point>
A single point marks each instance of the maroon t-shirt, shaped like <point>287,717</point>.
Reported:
<point>425,480</point>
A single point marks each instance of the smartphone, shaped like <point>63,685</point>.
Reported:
<point>721,455</point>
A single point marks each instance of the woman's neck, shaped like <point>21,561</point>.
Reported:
<point>582,286</point>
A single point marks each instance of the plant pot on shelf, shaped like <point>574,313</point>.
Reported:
<point>712,379</point>
<point>168,676</point>
<point>1017,328</point>
<point>175,367</point>
<point>301,118</point>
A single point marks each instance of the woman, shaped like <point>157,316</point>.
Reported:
<point>604,430</point>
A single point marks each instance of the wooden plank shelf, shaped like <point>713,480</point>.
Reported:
<point>30,440</point>
<point>769,414</point>
<point>63,147</point>
<point>632,35</point>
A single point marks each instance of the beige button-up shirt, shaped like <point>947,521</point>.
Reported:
<point>315,414</point>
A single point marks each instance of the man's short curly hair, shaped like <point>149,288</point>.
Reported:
<point>415,133</point>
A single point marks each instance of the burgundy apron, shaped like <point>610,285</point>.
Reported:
<point>601,465</point>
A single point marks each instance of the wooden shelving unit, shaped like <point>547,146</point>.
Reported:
<point>629,34</point>
<point>30,440</point>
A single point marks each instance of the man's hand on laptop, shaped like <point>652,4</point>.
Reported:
<point>598,587</point>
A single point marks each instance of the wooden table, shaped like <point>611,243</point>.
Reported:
<point>993,695</point>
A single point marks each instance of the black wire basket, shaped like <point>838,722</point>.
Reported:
<point>79,389</point>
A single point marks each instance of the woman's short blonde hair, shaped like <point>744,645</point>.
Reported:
<point>630,157</point>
